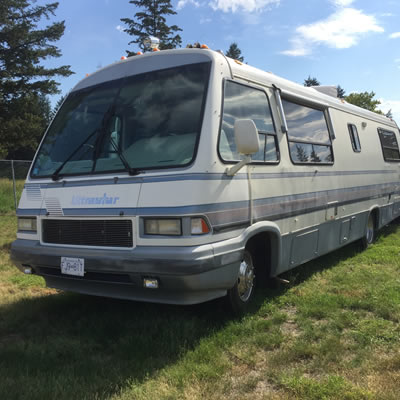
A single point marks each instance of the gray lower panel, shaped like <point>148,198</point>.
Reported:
<point>308,244</point>
<point>186,290</point>
<point>187,275</point>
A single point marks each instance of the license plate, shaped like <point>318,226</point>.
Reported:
<point>73,266</point>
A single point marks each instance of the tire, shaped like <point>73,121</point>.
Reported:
<point>370,232</point>
<point>242,293</point>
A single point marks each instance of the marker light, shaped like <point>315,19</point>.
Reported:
<point>204,46</point>
<point>199,226</point>
<point>162,226</point>
<point>139,53</point>
<point>123,58</point>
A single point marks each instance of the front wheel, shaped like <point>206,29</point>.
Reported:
<point>370,232</point>
<point>242,292</point>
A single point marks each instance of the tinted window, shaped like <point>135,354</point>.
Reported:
<point>151,120</point>
<point>355,141</point>
<point>389,144</point>
<point>308,135</point>
<point>244,102</point>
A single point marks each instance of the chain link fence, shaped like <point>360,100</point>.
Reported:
<point>12,178</point>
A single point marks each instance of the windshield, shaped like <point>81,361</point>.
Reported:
<point>151,120</point>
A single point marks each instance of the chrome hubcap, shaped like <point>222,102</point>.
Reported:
<point>246,278</point>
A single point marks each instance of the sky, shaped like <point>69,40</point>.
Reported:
<point>351,43</point>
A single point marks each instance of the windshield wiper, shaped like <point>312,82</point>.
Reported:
<point>131,171</point>
<point>108,114</point>
<point>56,174</point>
<point>100,143</point>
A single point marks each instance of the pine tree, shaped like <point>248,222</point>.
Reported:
<point>24,80</point>
<point>311,81</point>
<point>340,92</point>
<point>301,153</point>
<point>59,103</point>
<point>151,21</point>
<point>234,52</point>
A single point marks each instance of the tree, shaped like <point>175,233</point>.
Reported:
<point>30,116</point>
<point>151,21</point>
<point>314,156</point>
<point>301,153</point>
<point>234,52</point>
<point>311,81</point>
<point>59,103</point>
<point>340,92</point>
<point>364,100</point>
<point>24,81</point>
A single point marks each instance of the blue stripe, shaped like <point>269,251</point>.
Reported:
<point>204,177</point>
<point>288,202</point>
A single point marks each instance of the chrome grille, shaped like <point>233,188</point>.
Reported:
<point>107,233</point>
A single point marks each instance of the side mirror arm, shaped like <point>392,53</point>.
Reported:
<point>235,169</point>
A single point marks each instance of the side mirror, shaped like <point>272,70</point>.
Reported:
<point>247,143</point>
<point>246,136</point>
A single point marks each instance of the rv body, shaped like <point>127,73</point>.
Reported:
<point>144,206</point>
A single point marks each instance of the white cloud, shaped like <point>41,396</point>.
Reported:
<point>342,3</point>
<point>245,5</point>
<point>300,48</point>
<point>395,35</point>
<point>183,3</point>
<point>341,30</point>
<point>393,105</point>
<point>119,28</point>
<point>205,20</point>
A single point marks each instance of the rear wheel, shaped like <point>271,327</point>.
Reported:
<point>242,292</point>
<point>370,232</point>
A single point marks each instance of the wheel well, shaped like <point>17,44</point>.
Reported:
<point>260,247</point>
<point>375,214</point>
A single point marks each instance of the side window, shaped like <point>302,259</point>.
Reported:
<point>390,148</point>
<point>244,102</point>
<point>355,140</point>
<point>308,135</point>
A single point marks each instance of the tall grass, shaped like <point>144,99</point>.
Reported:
<point>332,333</point>
<point>7,205</point>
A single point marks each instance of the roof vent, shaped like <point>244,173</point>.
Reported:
<point>329,90</point>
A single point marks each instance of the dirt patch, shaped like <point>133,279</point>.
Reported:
<point>289,327</point>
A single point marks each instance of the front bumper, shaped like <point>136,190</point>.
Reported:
<point>187,275</point>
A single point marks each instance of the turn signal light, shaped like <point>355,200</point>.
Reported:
<point>199,226</point>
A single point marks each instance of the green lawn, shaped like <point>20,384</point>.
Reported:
<point>332,333</point>
<point>7,205</point>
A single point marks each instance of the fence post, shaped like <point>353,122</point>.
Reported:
<point>14,187</point>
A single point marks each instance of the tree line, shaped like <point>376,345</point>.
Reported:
<point>364,99</point>
<point>25,84</point>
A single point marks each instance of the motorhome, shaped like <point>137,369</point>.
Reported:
<point>182,176</point>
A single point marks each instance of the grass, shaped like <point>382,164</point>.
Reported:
<point>7,205</point>
<point>332,333</point>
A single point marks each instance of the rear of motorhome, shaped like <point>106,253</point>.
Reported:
<point>183,176</point>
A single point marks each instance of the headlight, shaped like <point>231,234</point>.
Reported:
<point>27,224</point>
<point>163,226</point>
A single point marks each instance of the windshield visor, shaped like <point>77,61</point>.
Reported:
<point>146,121</point>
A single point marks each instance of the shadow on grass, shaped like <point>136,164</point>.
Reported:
<point>6,247</point>
<point>74,346</point>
